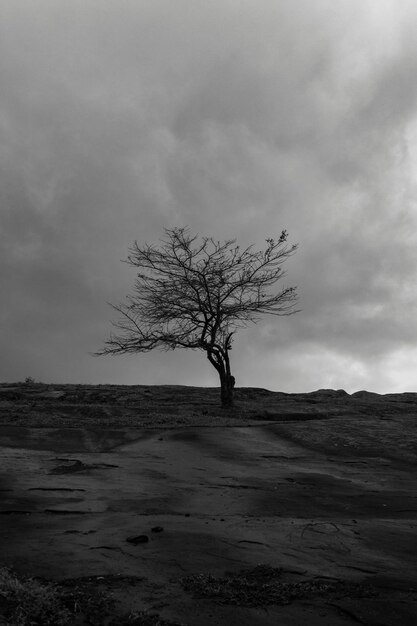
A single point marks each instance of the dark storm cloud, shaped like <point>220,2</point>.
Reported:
<point>239,119</point>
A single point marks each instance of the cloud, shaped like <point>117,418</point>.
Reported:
<point>239,119</point>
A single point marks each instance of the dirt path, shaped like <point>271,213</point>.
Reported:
<point>210,500</point>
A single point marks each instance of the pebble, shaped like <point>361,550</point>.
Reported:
<point>138,539</point>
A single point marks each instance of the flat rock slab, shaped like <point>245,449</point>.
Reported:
<point>227,499</point>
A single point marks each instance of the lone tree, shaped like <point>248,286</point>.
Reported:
<point>195,293</point>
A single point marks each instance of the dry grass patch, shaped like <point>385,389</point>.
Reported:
<point>28,602</point>
<point>143,618</point>
<point>74,602</point>
<point>263,585</point>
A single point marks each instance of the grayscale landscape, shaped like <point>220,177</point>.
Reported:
<point>208,318</point>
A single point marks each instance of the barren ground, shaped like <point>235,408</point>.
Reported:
<point>153,494</point>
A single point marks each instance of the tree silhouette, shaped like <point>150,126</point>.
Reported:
<point>194,293</point>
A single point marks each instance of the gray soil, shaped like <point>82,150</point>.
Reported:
<point>158,487</point>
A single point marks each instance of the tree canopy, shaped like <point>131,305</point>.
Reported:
<point>193,292</point>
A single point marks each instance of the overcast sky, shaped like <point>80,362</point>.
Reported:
<point>237,118</point>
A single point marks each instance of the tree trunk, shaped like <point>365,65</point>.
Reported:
<point>227,383</point>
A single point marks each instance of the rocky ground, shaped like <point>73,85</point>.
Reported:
<point>152,505</point>
<point>38,404</point>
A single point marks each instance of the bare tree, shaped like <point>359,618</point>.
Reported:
<point>195,293</point>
